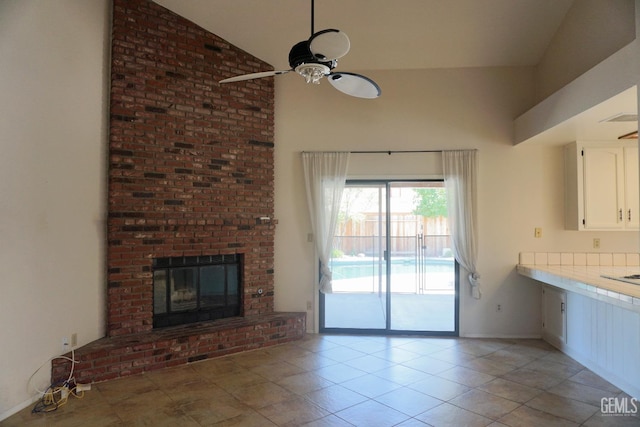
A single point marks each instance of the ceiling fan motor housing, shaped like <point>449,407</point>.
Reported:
<point>301,54</point>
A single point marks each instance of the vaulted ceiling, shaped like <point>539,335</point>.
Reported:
<point>388,34</point>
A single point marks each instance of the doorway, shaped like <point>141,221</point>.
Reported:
<point>392,265</point>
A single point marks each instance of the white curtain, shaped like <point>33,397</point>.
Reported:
<point>460,180</point>
<point>325,174</point>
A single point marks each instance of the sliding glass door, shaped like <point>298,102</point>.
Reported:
<point>393,270</point>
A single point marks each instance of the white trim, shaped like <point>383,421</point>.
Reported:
<point>503,336</point>
<point>12,411</point>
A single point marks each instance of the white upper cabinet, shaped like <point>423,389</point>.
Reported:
<point>601,186</point>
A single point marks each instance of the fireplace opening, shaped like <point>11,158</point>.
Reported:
<point>196,289</point>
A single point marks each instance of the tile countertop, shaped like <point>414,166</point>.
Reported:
<point>588,281</point>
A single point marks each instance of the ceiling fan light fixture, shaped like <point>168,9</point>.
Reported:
<point>312,73</point>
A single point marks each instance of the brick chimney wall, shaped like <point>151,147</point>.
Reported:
<point>190,160</point>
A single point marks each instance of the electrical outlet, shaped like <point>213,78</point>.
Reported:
<point>74,339</point>
<point>537,232</point>
<point>309,305</point>
<point>499,308</point>
<point>596,243</point>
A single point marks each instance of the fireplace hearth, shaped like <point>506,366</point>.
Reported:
<point>196,289</point>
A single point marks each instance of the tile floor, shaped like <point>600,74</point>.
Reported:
<point>335,380</point>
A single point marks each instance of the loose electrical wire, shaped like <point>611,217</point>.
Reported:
<point>56,395</point>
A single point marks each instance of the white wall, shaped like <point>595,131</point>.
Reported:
<point>520,187</point>
<point>53,78</point>
<point>603,26</point>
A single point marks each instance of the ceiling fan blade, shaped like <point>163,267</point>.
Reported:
<point>355,85</point>
<point>327,45</point>
<point>253,76</point>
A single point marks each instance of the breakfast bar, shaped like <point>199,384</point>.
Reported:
<point>591,310</point>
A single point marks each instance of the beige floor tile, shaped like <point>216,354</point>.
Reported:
<point>510,390</point>
<point>207,409</point>
<point>466,376</point>
<point>529,417</point>
<point>402,375</point>
<point>487,366</point>
<point>277,371</point>
<point>172,377</point>
<point>288,351</point>
<point>396,355</point>
<point>252,359</point>
<point>369,346</point>
<point>341,353</point>
<point>304,383</point>
<point>237,380</point>
<point>439,388</point>
<point>122,389</point>
<point>159,418</point>
<point>475,382</point>
<point>262,394</point>
<point>335,398</point>
<point>558,357</point>
<point>563,407</point>
<point>485,404</point>
<point>148,403</point>
<point>422,347</point>
<point>372,414</point>
<point>293,412</point>
<point>408,401</point>
<point>558,370</point>
<point>187,391</point>
<point>370,385</point>
<point>339,373</point>
<point>429,365</point>
<point>215,367</point>
<point>453,355</point>
<point>510,357</point>
<point>480,348</point>
<point>533,379</point>
<point>247,419</point>
<point>447,415</point>
<point>369,363</point>
<point>412,422</point>
<point>312,362</point>
<point>329,421</point>
<point>581,392</point>
<point>587,377</point>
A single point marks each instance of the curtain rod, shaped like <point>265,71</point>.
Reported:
<point>390,152</point>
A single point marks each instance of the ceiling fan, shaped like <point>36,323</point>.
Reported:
<point>316,57</point>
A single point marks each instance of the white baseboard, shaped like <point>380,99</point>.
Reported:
<point>503,336</point>
<point>12,411</point>
<point>632,390</point>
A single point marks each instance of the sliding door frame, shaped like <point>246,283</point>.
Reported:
<point>388,331</point>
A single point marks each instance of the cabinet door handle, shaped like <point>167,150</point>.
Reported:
<point>561,307</point>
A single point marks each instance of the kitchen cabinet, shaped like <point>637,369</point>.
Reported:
<point>554,315</point>
<point>601,186</point>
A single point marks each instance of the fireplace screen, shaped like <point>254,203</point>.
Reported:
<point>194,289</point>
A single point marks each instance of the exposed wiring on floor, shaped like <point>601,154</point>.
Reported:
<point>56,395</point>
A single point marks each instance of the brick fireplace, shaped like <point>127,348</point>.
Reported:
<point>190,175</point>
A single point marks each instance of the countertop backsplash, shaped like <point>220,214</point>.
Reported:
<point>590,259</point>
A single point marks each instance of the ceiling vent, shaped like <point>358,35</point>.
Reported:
<point>622,117</point>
